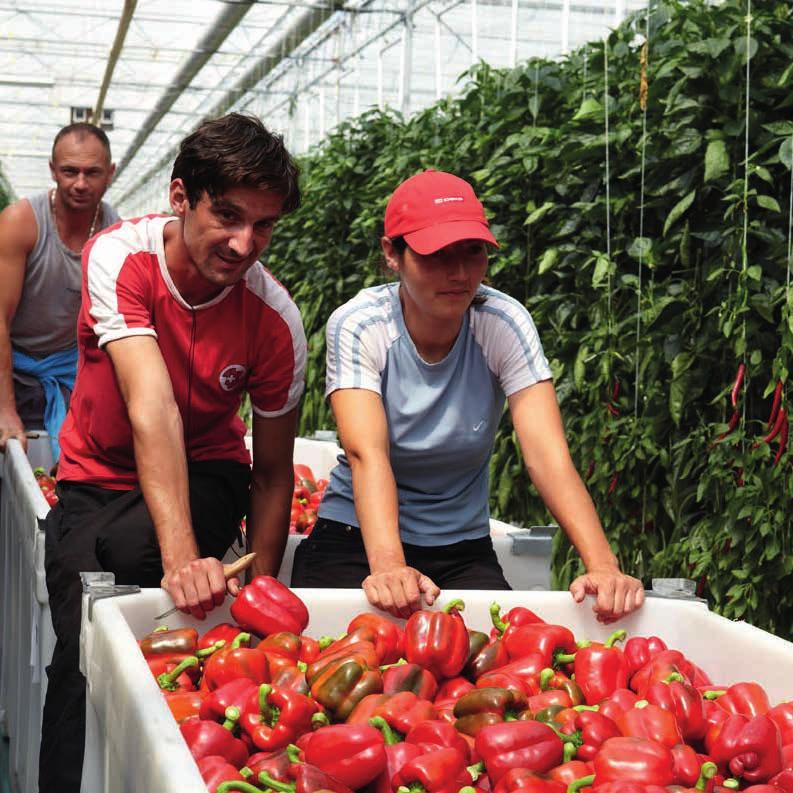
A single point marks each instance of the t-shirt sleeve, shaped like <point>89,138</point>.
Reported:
<point>356,350</point>
<point>512,346</point>
<point>117,290</point>
<point>277,379</point>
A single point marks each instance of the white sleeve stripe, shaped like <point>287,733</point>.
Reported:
<point>125,333</point>
<point>530,352</point>
<point>355,309</point>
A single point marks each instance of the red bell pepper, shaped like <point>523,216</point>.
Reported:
<point>215,769</point>
<point>682,700</point>
<point>526,670</point>
<point>307,779</point>
<point>521,780</point>
<point>234,694</point>
<point>783,780</point>
<point>172,675</point>
<point>397,753</point>
<point>441,771</point>
<point>621,700</point>
<point>403,676</point>
<point>554,680</point>
<point>600,669</point>
<point>750,748</point>
<point>352,753</point>
<point>343,683</point>
<point>224,632</point>
<point>782,716</point>
<point>164,641</point>
<point>640,650</point>
<point>292,677</point>
<point>569,772</point>
<point>633,760</point>
<point>438,640</point>
<point>518,744</point>
<point>648,721</point>
<point>275,717</point>
<point>290,645</point>
<point>454,688</point>
<point>401,711</point>
<point>688,765</point>
<point>744,699</point>
<point>550,641</point>
<point>438,734</point>
<point>389,638</point>
<point>265,606</point>
<point>485,655</point>
<point>275,764</point>
<point>662,665</point>
<point>585,732</point>
<point>513,619</point>
<point>484,706</point>
<point>233,662</point>
<point>363,651</point>
<point>205,738</point>
<point>184,704</point>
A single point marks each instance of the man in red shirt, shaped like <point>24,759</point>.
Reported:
<point>178,319</point>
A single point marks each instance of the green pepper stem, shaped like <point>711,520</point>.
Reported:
<point>275,784</point>
<point>564,658</point>
<point>232,715</point>
<point>467,789</point>
<point>731,783</point>
<point>240,639</point>
<point>581,708</point>
<point>207,651</point>
<point>545,678</point>
<point>246,787</point>
<point>615,637</point>
<point>641,703</point>
<point>583,644</point>
<point>264,706</point>
<point>457,604</point>
<point>675,677</point>
<point>318,720</point>
<point>167,680</point>
<point>246,772</point>
<point>400,662</point>
<point>325,641</point>
<point>293,753</point>
<point>569,752</point>
<point>713,694</point>
<point>475,770</point>
<point>576,785</point>
<point>707,772</point>
<point>161,629</point>
<point>495,617</point>
<point>302,666</point>
<point>389,736</point>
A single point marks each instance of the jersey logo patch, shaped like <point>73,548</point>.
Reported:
<point>232,377</point>
<point>479,426</point>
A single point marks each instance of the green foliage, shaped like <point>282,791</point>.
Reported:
<point>676,294</point>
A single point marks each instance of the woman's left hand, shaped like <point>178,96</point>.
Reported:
<point>617,594</point>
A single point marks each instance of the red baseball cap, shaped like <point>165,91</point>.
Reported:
<point>433,209</point>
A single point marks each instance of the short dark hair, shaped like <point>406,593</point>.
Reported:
<point>235,150</point>
<point>80,130</point>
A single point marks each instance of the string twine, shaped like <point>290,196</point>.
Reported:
<point>608,179</point>
<point>744,254</point>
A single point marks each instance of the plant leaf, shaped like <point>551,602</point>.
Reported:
<point>678,210</point>
<point>717,161</point>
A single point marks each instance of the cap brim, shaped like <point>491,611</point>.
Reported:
<point>433,238</point>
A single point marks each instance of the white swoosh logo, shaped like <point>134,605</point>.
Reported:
<point>479,426</point>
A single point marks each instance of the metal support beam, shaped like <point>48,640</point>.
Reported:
<point>305,25</point>
<point>115,51</point>
<point>218,32</point>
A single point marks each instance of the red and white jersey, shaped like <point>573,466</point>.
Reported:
<point>247,338</point>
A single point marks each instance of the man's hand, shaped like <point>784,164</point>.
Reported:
<point>198,586</point>
<point>617,594</point>
<point>399,591</point>
<point>11,427</point>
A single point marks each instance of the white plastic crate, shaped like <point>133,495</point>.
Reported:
<point>135,745</point>
<point>26,636</point>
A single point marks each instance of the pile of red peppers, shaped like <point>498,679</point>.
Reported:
<point>433,706</point>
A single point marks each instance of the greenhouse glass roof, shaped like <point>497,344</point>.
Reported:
<point>150,70</point>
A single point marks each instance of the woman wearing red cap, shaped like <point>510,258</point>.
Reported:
<point>418,373</point>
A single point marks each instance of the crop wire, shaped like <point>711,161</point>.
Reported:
<point>645,57</point>
<point>608,178</point>
<point>790,219</point>
<point>744,254</point>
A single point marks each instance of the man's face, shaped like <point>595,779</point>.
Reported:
<point>82,170</point>
<point>225,235</point>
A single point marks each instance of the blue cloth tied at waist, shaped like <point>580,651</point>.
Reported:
<point>56,370</point>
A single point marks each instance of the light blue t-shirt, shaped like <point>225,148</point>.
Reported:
<point>442,417</point>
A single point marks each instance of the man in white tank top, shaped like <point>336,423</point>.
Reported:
<point>41,239</point>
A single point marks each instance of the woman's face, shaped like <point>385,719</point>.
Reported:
<point>443,284</point>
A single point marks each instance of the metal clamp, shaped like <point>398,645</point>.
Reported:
<point>675,589</point>
<point>101,585</point>
<point>532,541</point>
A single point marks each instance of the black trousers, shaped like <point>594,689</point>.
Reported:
<point>333,557</point>
<point>94,529</point>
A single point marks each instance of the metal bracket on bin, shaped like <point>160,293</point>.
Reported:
<point>532,541</point>
<point>675,589</point>
<point>99,586</point>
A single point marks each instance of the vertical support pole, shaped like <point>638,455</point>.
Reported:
<point>513,61</point>
<point>565,24</point>
<point>321,110</point>
<point>474,34</point>
<point>438,74</point>
<point>406,60</point>
<point>380,79</point>
<point>306,122</point>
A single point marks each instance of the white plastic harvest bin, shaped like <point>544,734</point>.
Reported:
<point>134,745</point>
<point>26,635</point>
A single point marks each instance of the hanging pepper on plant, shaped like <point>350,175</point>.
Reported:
<point>734,394</point>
